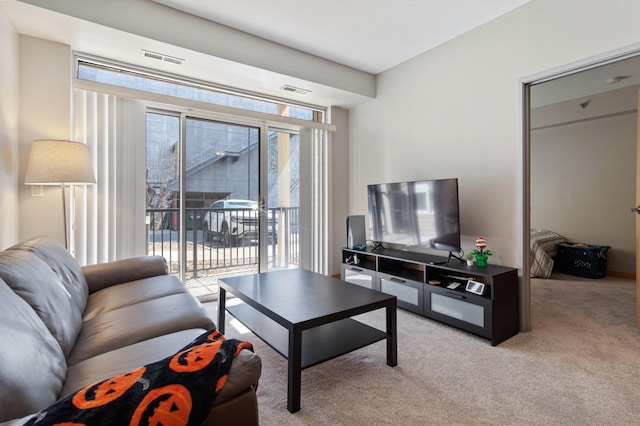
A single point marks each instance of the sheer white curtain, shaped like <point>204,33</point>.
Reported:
<point>108,219</point>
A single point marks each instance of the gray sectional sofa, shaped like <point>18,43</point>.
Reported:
<point>64,327</point>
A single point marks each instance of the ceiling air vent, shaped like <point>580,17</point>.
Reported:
<point>161,57</point>
<point>294,89</point>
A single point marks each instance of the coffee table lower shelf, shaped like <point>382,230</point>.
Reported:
<point>319,344</point>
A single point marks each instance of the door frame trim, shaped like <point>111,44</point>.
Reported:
<point>525,84</point>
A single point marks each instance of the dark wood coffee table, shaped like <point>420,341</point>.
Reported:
<point>306,317</point>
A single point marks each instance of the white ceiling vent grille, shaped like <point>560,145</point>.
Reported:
<point>161,57</point>
<point>294,89</point>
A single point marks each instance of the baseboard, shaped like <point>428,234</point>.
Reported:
<point>626,275</point>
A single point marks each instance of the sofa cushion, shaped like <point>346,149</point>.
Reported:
<point>245,370</point>
<point>130,293</point>
<point>62,263</point>
<point>33,280</point>
<point>179,389</point>
<point>33,365</point>
<point>134,323</point>
<point>130,357</point>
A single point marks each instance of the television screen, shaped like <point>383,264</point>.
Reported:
<point>419,214</point>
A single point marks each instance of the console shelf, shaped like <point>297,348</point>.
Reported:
<point>422,282</point>
<point>319,344</point>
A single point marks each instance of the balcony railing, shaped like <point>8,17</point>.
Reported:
<point>222,241</point>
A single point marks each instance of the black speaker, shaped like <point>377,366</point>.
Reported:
<point>355,231</point>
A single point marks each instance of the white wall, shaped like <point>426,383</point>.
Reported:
<point>583,173</point>
<point>339,208</point>
<point>455,110</point>
<point>45,113</point>
<point>8,132</point>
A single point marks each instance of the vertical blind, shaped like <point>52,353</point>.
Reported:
<point>314,204</point>
<point>108,219</point>
<point>320,200</point>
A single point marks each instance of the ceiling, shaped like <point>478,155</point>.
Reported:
<point>368,35</point>
<point>382,34</point>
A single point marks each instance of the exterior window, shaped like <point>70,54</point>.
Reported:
<point>179,88</point>
<point>223,194</point>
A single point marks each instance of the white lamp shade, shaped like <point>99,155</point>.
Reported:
<point>55,162</point>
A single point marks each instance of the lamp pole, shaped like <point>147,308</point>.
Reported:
<point>64,217</point>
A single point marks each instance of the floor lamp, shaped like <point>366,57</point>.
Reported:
<point>59,162</point>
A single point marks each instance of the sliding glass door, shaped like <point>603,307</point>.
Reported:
<point>221,193</point>
<point>210,212</point>
<point>163,135</point>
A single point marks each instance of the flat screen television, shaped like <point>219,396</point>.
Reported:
<point>422,214</point>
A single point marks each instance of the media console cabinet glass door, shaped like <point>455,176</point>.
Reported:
<point>306,317</point>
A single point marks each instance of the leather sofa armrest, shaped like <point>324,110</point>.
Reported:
<point>107,274</point>
<point>239,411</point>
<point>245,372</point>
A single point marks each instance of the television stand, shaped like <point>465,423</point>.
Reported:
<point>431,287</point>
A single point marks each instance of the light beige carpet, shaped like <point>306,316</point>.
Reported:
<point>580,365</point>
